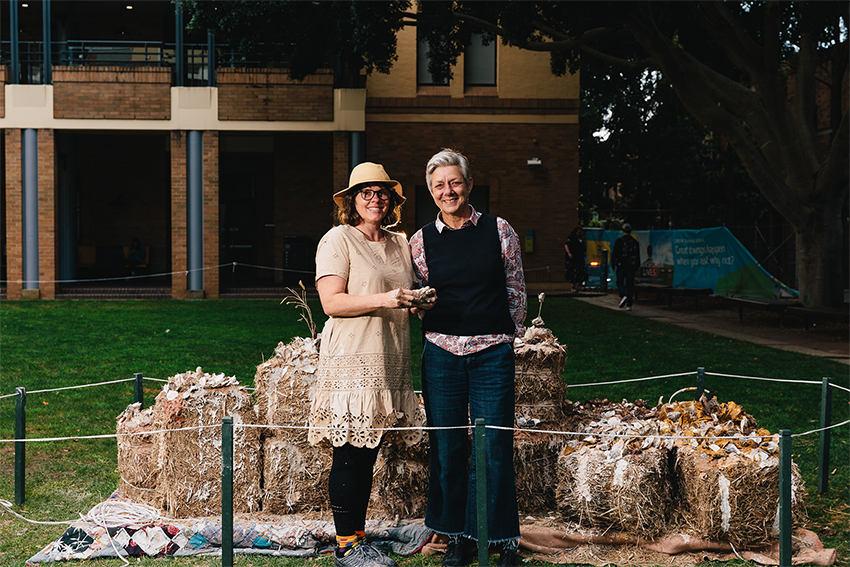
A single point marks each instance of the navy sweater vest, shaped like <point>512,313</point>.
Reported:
<point>466,268</point>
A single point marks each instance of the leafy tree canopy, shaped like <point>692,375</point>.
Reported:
<point>750,72</point>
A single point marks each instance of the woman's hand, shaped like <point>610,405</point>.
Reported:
<point>400,298</point>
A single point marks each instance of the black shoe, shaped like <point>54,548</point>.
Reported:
<point>456,555</point>
<point>509,557</point>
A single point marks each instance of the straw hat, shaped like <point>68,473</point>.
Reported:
<point>367,173</point>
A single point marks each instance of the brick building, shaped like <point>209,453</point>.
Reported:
<point>224,172</point>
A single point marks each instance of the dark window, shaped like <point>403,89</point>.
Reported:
<point>423,76</point>
<point>479,68</point>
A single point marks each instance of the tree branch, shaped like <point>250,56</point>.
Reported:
<point>834,174</point>
<point>803,106</point>
<point>737,45</point>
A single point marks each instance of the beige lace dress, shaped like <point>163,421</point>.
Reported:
<point>363,379</point>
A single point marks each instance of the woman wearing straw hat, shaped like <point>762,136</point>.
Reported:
<point>473,260</point>
<point>364,278</point>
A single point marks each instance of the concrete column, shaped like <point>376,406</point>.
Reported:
<point>29,150</point>
<point>356,149</point>
<point>195,209</point>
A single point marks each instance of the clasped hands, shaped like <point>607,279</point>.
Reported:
<point>413,299</point>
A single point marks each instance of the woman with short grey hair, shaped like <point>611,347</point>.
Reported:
<point>473,261</point>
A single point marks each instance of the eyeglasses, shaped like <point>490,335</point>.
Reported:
<point>382,194</point>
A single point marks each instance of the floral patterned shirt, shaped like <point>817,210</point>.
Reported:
<point>514,282</point>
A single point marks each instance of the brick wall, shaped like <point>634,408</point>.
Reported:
<point>179,261</point>
<point>269,94</point>
<point>541,198</point>
<point>14,213</point>
<point>47,214</point>
<point>113,93</point>
<point>211,212</point>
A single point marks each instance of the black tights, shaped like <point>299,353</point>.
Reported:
<point>349,486</point>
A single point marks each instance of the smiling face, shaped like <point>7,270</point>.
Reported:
<point>451,194</point>
<point>375,209</point>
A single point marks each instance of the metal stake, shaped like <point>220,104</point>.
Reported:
<point>481,490</point>
<point>227,492</point>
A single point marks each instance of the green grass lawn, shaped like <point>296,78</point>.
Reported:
<point>51,344</point>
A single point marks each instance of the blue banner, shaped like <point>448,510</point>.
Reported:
<point>710,258</point>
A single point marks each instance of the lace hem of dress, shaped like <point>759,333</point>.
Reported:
<point>336,419</point>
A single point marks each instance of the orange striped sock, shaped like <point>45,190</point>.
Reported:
<point>345,543</point>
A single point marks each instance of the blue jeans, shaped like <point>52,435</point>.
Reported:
<point>626,284</point>
<point>479,385</point>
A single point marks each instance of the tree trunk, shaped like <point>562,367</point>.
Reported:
<point>820,260</point>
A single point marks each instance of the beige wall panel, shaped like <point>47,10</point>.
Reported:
<point>526,74</point>
<point>401,81</point>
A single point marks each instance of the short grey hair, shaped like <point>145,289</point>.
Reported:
<point>445,158</point>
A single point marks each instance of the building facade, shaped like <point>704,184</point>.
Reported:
<point>129,131</point>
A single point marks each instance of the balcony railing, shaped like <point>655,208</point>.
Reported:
<point>89,53</point>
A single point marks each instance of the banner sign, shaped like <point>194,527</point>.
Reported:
<point>710,258</point>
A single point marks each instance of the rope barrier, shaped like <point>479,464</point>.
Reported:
<point>764,379</point>
<point>427,428</point>
<point>80,386</point>
<point>633,380</point>
<point>157,275</point>
<point>839,387</point>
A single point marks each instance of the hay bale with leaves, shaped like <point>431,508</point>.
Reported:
<point>616,489</point>
<point>285,385</point>
<point>137,460</point>
<point>728,474</point>
<point>191,407</point>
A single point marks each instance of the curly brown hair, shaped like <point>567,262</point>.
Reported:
<point>347,213</point>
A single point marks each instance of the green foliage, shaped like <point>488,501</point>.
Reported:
<point>51,344</point>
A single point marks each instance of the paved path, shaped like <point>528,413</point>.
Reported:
<point>757,327</point>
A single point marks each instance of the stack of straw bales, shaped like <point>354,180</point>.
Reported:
<point>540,405</point>
<point>647,471</point>
<point>295,473</point>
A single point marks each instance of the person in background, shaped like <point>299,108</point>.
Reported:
<point>473,261</point>
<point>364,278</point>
<point>575,265</point>
<point>625,259</point>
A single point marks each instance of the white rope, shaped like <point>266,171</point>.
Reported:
<point>107,435</point>
<point>674,394</point>
<point>764,379</point>
<point>117,278</point>
<point>7,506</point>
<point>134,486</point>
<point>81,386</point>
<point>833,426</point>
<point>839,387</point>
<point>630,380</point>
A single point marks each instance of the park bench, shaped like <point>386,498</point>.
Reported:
<point>828,314</point>
<point>670,291</point>
<point>772,305</point>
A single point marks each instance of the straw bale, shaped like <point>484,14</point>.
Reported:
<point>615,489</point>
<point>540,359</point>
<point>734,497</point>
<point>295,476</point>
<point>285,387</point>
<point>400,480</point>
<point>536,454</point>
<point>137,463</point>
<point>190,460</point>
